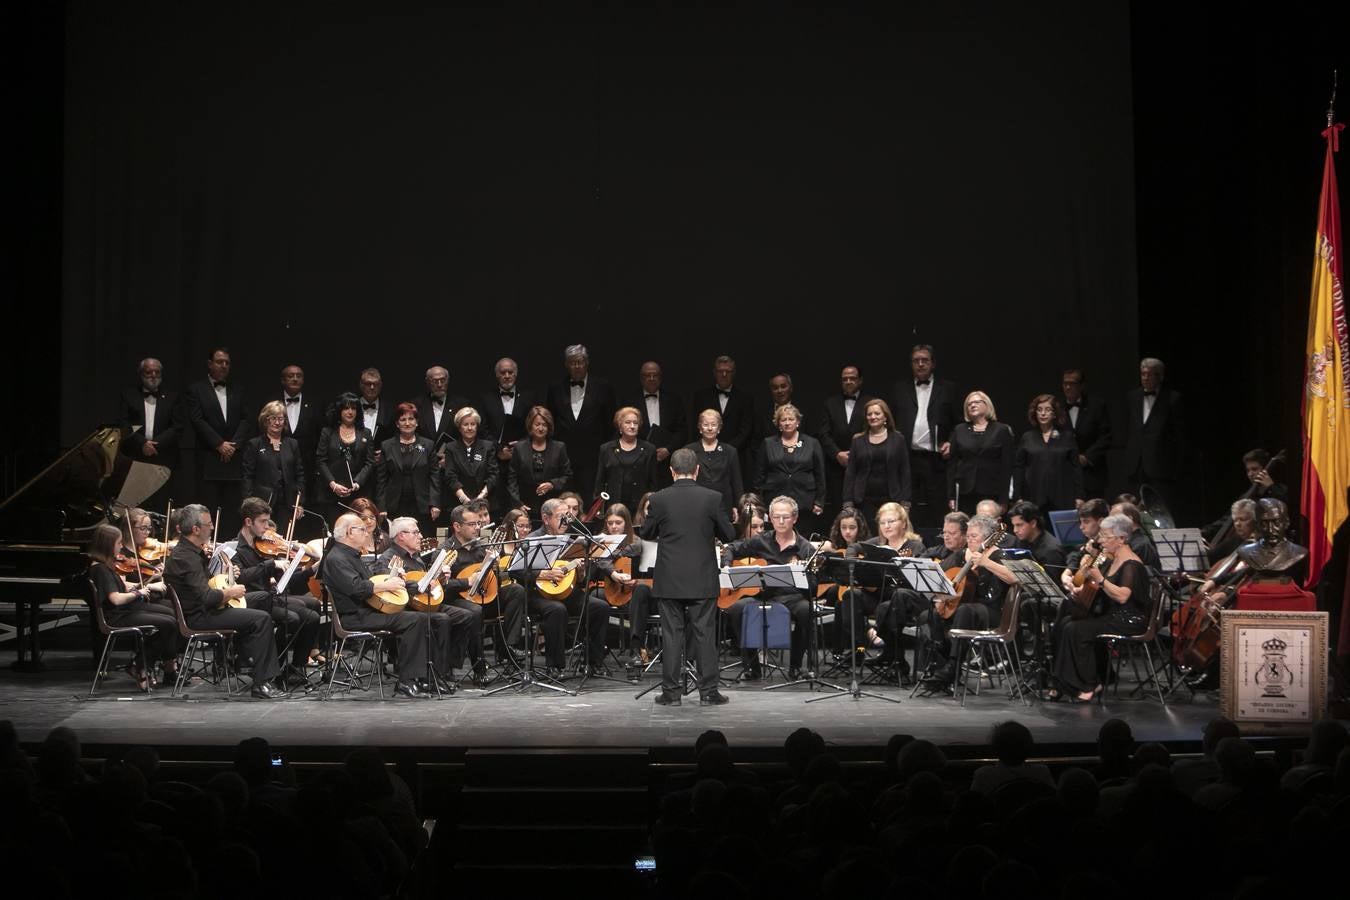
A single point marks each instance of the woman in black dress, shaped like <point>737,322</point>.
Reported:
<point>407,480</point>
<point>270,465</point>
<point>470,462</point>
<point>540,468</point>
<point>1125,588</point>
<point>719,464</point>
<point>627,465</point>
<point>345,459</point>
<point>125,605</point>
<point>878,463</point>
<point>792,464</point>
<point>981,456</point>
<point>893,606</point>
<point>1046,469</point>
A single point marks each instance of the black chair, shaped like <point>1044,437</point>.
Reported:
<point>1003,641</point>
<point>220,640</point>
<point>111,635</point>
<point>363,641</point>
<point>1121,645</point>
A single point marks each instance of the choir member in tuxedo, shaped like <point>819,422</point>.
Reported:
<point>271,467</point>
<point>990,590</point>
<point>345,458</point>
<point>466,529</point>
<point>1045,467</point>
<point>780,394</point>
<point>927,409</point>
<point>1221,533</point>
<point>149,410</point>
<point>1090,421</point>
<point>626,467</point>
<point>128,603</point>
<point>686,519</point>
<point>541,467</point>
<point>204,606</point>
<point>377,414</point>
<point>618,520</point>
<point>470,461</point>
<point>878,462</point>
<point>436,408</point>
<point>220,424</point>
<point>736,406</point>
<point>893,606</point>
<point>792,464</point>
<point>779,546</point>
<point>503,410</point>
<point>841,422</point>
<point>1124,587</point>
<point>719,464</point>
<point>296,619</point>
<point>982,452</point>
<point>583,412</point>
<point>347,578</point>
<point>452,629</point>
<point>407,478</point>
<point>663,419</point>
<point>1155,436</point>
<point>304,419</point>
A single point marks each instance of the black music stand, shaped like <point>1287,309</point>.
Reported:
<point>591,547</point>
<point>423,585</point>
<point>1180,550</point>
<point>533,555</point>
<point>873,574</point>
<point>924,576</point>
<point>791,576</point>
<point>1037,585</point>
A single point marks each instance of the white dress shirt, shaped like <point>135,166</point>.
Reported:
<point>578,397</point>
<point>151,402</point>
<point>923,435</point>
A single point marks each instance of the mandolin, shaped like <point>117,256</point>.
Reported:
<point>391,594</point>
<point>430,599</point>
<point>563,587</point>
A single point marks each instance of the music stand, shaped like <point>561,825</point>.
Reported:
<point>1037,585</point>
<point>1180,550</point>
<point>847,569</point>
<point>533,555</point>
<point>927,577</point>
<point>591,547</point>
<point>791,576</point>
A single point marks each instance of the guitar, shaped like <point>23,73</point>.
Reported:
<point>1085,590</point>
<point>961,580</point>
<point>727,597</point>
<point>619,593</point>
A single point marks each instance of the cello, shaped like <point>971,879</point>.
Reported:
<point>1195,624</point>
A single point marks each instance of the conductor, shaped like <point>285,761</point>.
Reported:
<point>685,518</point>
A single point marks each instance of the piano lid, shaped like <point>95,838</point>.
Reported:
<point>77,491</point>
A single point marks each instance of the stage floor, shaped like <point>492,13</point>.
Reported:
<point>603,715</point>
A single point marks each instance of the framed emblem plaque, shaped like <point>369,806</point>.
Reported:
<point>1273,670</point>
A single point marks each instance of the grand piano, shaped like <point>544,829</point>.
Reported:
<point>45,525</point>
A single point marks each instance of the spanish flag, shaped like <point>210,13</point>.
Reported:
<point>1326,388</point>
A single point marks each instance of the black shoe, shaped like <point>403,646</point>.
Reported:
<point>664,699</point>
<point>409,689</point>
<point>478,677</point>
<point>713,698</point>
<point>944,674</point>
<point>264,691</point>
<point>753,673</point>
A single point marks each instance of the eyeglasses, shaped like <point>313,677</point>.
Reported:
<point>780,517</point>
<point>145,528</point>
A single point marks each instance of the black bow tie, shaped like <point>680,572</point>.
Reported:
<point>580,384</point>
<point>145,393</point>
<point>1150,393</point>
<point>370,406</point>
<point>918,383</point>
<point>219,384</point>
<point>1074,405</point>
<point>851,397</point>
<point>726,393</point>
<point>509,395</point>
<point>651,396</point>
<point>290,400</point>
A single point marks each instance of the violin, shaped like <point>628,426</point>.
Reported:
<point>153,551</point>
<point>128,564</point>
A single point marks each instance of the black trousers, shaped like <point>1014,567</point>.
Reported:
<point>510,607</point>
<point>473,628</point>
<point>410,635</point>
<point>684,623</point>
<point>799,608</point>
<point>299,622</point>
<point>967,615</point>
<point>165,643</point>
<point>592,614</point>
<point>928,476</point>
<point>255,636</point>
<point>1078,655</point>
<point>855,605</point>
<point>550,618</point>
<point>639,609</point>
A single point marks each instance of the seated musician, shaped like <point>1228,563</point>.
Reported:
<point>550,614</point>
<point>129,603</point>
<point>573,501</point>
<point>1090,516</point>
<point>348,581</point>
<point>452,629</point>
<point>990,587</point>
<point>893,606</point>
<point>1140,542</point>
<point>619,521</point>
<point>259,574</point>
<point>204,606</point>
<point>466,524</point>
<point>375,539</point>
<point>1220,534</point>
<point>779,546</point>
<point>1045,547</point>
<point>1125,588</point>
